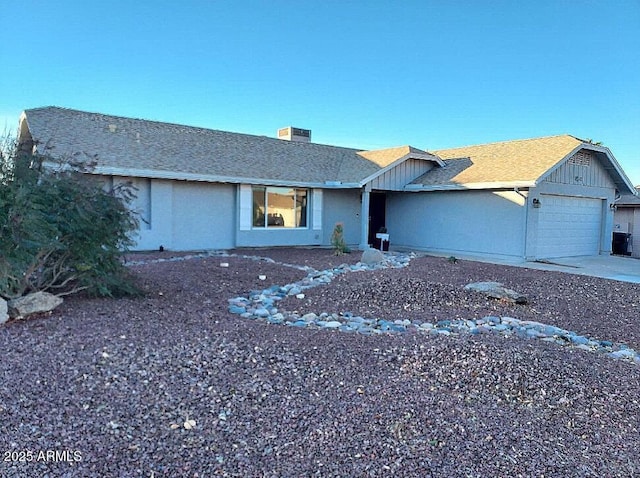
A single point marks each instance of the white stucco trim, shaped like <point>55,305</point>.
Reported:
<point>317,209</point>
<point>246,207</point>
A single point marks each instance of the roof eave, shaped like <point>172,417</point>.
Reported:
<point>469,186</point>
<point>212,178</point>
<point>623,176</point>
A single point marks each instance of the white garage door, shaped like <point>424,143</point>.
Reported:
<point>569,226</point>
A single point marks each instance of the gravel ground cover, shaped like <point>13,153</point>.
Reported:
<point>173,385</point>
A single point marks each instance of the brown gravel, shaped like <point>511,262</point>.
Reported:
<point>116,380</point>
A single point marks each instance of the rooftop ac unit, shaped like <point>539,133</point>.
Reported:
<point>295,134</point>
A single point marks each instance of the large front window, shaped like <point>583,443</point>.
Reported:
<point>279,207</point>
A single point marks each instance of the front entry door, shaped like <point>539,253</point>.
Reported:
<point>377,214</point>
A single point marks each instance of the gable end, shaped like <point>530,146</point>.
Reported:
<point>583,168</point>
<point>395,179</point>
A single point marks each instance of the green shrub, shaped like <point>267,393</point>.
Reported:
<point>61,230</point>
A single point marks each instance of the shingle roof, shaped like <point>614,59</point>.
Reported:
<point>137,147</point>
<point>505,162</point>
<point>446,175</point>
<point>630,199</point>
<point>164,148</point>
<point>385,157</point>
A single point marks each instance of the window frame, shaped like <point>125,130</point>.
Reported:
<point>266,190</point>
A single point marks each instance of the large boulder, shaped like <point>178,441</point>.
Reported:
<point>372,256</point>
<point>34,303</point>
<point>496,290</point>
<point>4,316</point>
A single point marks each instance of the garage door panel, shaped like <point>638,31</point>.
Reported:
<point>569,226</point>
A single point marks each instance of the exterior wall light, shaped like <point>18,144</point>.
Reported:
<point>613,206</point>
<point>536,202</point>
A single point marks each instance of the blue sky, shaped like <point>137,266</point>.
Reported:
<point>364,74</point>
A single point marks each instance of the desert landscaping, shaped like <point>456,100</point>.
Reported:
<point>174,384</point>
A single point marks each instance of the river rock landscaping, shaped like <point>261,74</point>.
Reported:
<point>261,305</point>
<point>235,365</point>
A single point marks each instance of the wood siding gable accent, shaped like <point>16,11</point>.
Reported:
<point>586,170</point>
<point>397,178</point>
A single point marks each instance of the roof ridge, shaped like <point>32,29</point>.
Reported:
<point>408,147</point>
<point>386,149</point>
<point>538,138</point>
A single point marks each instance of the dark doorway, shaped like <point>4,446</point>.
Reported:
<point>377,214</point>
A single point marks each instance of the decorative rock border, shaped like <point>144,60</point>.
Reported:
<point>262,305</point>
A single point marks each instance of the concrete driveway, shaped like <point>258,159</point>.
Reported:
<point>620,268</point>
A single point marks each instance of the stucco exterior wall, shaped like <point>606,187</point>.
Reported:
<point>159,232</point>
<point>278,237</point>
<point>203,216</point>
<point>341,206</point>
<point>182,216</point>
<point>458,222</point>
<point>153,197</point>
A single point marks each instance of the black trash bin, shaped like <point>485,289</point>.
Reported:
<point>621,243</point>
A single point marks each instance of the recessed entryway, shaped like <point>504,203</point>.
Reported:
<point>377,214</point>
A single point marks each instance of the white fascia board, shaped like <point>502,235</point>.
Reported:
<point>342,185</point>
<point>620,171</point>
<point>425,157</point>
<point>210,178</point>
<point>466,186</point>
